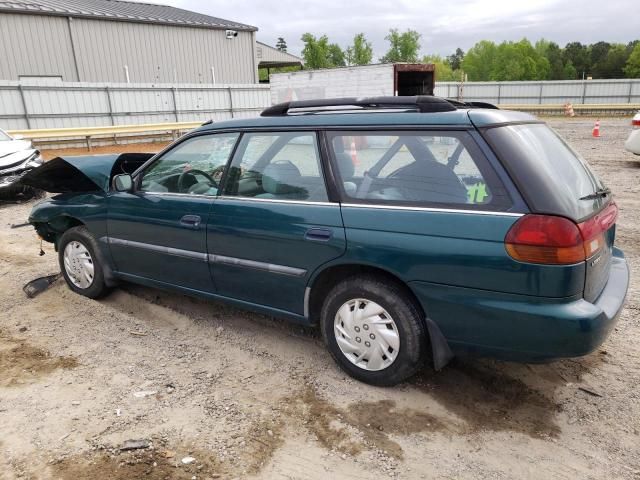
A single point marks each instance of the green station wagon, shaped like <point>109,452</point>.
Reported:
<point>410,229</point>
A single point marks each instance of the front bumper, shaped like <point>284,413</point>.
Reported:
<point>523,328</point>
<point>12,175</point>
<point>7,181</point>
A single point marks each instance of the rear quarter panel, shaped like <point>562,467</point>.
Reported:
<point>451,248</point>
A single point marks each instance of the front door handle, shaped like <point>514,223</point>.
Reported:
<point>318,234</point>
<point>191,221</point>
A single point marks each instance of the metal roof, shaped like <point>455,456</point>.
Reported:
<point>269,56</point>
<point>120,10</point>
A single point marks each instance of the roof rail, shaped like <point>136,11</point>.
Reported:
<point>420,103</point>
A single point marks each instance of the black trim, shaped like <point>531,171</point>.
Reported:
<point>504,124</point>
<point>330,178</point>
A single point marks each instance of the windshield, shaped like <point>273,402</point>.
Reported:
<point>553,177</point>
<point>4,137</point>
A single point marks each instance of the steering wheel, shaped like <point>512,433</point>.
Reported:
<point>192,172</point>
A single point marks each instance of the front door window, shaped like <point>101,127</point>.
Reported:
<point>194,166</point>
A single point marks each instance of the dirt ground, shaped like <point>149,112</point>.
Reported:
<point>247,396</point>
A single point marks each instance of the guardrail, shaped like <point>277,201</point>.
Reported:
<point>579,108</point>
<point>87,133</point>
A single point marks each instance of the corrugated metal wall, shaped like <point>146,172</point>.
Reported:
<point>24,105</point>
<point>45,45</point>
<point>552,92</point>
<point>35,45</point>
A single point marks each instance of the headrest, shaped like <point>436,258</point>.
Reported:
<point>345,165</point>
<point>281,177</point>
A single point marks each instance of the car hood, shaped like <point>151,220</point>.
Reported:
<point>83,174</point>
<point>11,146</point>
<point>14,151</point>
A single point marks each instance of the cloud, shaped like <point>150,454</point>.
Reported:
<point>444,25</point>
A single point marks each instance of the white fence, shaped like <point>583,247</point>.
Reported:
<point>35,106</point>
<point>547,92</point>
<point>57,105</point>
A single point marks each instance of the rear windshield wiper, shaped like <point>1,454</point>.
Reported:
<point>601,192</point>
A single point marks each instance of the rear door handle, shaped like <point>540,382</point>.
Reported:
<point>191,221</point>
<point>318,234</point>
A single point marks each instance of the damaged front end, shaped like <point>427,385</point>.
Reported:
<point>13,168</point>
<point>82,184</point>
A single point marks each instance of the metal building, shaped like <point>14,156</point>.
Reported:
<point>120,41</point>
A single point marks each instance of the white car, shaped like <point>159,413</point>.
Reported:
<point>633,142</point>
<point>17,157</point>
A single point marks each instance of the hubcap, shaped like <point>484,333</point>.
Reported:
<point>78,264</point>
<point>360,318</point>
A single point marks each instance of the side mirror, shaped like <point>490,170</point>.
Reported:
<point>123,183</point>
<point>18,137</point>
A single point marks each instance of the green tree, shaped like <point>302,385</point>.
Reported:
<point>315,51</point>
<point>478,61</point>
<point>444,72</point>
<point>455,60</point>
<point>632,69</point>
<point>281,44</point>
<point>404,47</point>
<point>613,65</point>
<point>519,61</point>
<point>335,56</point>
<point>553,53</point>
<point>578,55</point>
<point>361,52</point>
<point>570,72</point>
<point>598,53</point>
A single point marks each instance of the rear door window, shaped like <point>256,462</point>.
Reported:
<point>444,169</point>
<point>277,166</point>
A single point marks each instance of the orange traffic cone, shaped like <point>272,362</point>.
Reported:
<point>354,154</point>
<point>596,129</point>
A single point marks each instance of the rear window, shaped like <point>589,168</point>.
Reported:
<point>552,176</point>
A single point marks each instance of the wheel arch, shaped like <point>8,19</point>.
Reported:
<point>52,229</point>
<point>323,280</point>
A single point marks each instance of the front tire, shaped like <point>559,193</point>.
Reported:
<point>374,330</point>
<point>77,255</point>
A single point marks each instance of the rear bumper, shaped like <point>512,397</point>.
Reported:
<point>523,328</point>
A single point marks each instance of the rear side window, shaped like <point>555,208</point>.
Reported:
<point>553,177</point>
<point>444,169</point>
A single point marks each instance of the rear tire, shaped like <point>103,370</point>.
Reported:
<point>79,263</point>
<point>374,330</point>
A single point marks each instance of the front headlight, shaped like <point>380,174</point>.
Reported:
<point>35,160</point>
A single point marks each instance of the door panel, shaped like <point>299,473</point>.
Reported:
<point>157,236</point>
<point>159,231</point>
<point>265,251</point>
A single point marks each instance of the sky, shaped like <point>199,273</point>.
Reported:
<point>444,25</point>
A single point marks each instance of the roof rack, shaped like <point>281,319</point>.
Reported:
<point>420,103</point>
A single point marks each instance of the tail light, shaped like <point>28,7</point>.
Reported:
<point>555,240</point>
<point>636,121</point>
